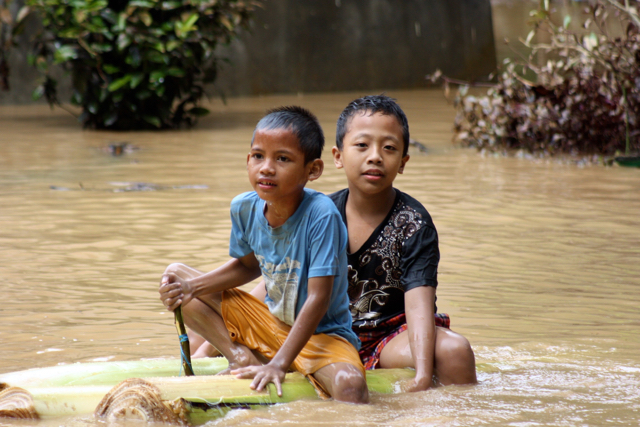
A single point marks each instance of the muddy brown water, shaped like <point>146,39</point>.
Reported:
<point>540,260</point>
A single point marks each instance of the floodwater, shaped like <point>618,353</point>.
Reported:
<point>540,260</point>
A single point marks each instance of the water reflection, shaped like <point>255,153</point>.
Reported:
<point>539,260</point>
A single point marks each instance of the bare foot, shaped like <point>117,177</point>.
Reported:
<point>243,357</point>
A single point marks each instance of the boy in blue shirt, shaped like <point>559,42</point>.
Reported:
<point>294,237</point>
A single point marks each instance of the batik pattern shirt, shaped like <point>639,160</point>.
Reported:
<point>401,254</point>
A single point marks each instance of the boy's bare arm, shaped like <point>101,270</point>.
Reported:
<point>422,333</point>
<point>175,290</point>
<point>314,308</point>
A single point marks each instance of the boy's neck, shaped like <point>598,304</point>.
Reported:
<point>278,212</point>
<point>372,205</point>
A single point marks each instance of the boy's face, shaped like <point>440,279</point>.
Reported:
<point>371,152</point>
<point>276,166</point>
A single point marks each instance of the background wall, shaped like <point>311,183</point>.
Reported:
<point>334,45</point>
<point>337,45</point>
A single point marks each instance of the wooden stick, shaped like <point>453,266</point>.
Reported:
<point>184,343</point>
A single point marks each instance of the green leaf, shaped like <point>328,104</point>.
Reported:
<point>64,53</point>
<point>92,107</point>
<point>109,15</point>
<point>37,93</point>
<point>146,18</point>
<point>117,84</point>
<point>143,94</point>
<point>172,44</point>
<point>133,58</point>
<point>159,47</point>
<point>157,76</point>
<point>69,33</point>
<point>198,111</point>
<point>135,80</point>
<point>123,41</point>
<point>80,15</point>
<point>169,5</point>
<point>153,120</point>
<point>142,3</point>
<point>176,72</point>
<point>103,94</point>
<point>191,20</point>
<point>122,22</point>
<point>110,69</point>
<point>101,47</point>
<point>76,98</point>
<point>567,21</point>
<point>184,27</point>
<point>157,57</point>
<point>111,118</point>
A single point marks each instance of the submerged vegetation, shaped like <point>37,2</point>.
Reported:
<point>135,64</point>
<point>584,98</point>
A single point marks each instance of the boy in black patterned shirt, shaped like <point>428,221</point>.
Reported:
<point>393,252</point>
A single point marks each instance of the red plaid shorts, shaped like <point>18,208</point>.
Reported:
<point>374,341</point>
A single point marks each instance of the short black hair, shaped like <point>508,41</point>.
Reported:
<point>373,104</point>
<point>301,122</point>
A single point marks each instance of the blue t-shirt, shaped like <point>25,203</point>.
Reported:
<point>311,243</point>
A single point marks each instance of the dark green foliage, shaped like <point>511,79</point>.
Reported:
<point>11,26</point>
<point>135,64</point>
<point>586,97</point>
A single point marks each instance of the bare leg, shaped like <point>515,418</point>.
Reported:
<point>454,359</point>
<point>199,346</point>
<point>202,316</point>
<point>344,382</point>
<point>195,342</point>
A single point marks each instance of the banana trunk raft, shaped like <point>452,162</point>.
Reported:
<point>150,390</point>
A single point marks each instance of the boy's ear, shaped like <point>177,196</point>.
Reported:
<point>404,161</point>
<point>317,166</point>
<point>337,157</point>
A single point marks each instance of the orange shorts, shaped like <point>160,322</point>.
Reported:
<point>250,323</point>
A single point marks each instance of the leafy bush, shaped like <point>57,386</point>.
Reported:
<point>11,26</point>
<point>135,64</point>
<point>585,102</point>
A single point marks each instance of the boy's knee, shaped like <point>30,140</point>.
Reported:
<point>455,361</point>
<point>352,388</point>
<point>458,348</point>
<point>174,268</point>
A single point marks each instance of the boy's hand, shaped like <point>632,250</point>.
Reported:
<point>174,291</point>
<point>262,375</point>
<point>415,384</point>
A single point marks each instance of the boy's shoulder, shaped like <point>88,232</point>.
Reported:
<point>314,204</point>
<point>414,204</point>
<point>339,197</point>
<point>317,198</point>
<point>246,196</point>
<point>245,202</point>
<point>318,204</point>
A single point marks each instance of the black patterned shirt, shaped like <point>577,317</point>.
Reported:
<point>401,254</point>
